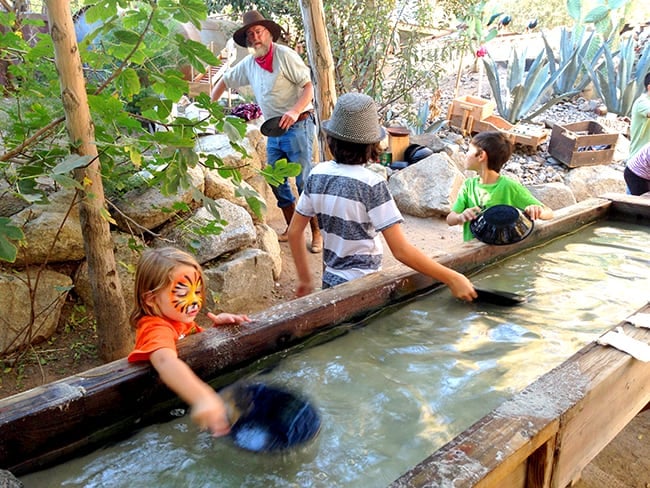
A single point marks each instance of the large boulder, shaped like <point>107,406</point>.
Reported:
<point>592,181</point>
<point>238,232</point>
<point>428,187</point>
<point>16,326</point>
<point>143,206</point>
<point>56,222</point>
<point>267,241</point>
<point>553,195</point>
<point>241,284</point>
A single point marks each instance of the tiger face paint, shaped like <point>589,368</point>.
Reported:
<point>183,298</point>
<point>186,294</point>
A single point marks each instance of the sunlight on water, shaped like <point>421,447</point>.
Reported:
<point>396,390</point>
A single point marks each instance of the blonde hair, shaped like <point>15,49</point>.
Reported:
<point>153,273</point>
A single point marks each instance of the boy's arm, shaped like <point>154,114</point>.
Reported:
<point>296,236</point>
<point>539,212</point>
<point>411,256</point>
<point>467,215</point>
<point>208,410</point>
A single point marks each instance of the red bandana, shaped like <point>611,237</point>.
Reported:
<point>266,61</point>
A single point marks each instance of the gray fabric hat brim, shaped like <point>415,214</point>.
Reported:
<point>327,128</point>
<point>355,119</point>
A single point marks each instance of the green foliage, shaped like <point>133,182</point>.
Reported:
<point>283,169</point>
<point>477,31</point>
<point>132,65</point>
<point>607,16</point>
<point>525,90</point>
<point>371,54</point>
<point>549,13</point>
<point>618,78</point>
<point>9,233</point>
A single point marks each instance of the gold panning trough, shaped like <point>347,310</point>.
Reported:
<point>542,437</point>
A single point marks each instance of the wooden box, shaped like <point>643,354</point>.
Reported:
<point>469,107</point>
<point>524,134</point>
<point>528,134</point>
<point>584,143</point>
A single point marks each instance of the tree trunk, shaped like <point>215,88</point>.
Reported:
<point>322,65</point>
<point>115,339</point>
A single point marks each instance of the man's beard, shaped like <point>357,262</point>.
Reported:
<point>258,52</point>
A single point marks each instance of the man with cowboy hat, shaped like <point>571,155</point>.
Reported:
<point>282,86</point>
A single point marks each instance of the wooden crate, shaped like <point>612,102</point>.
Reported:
<point>524,134</point>
<point>471,108</point>
<point>528,134</point>
<point>465,111</point>
<point>584,143</point>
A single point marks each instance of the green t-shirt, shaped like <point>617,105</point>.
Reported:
<point>639,124</point>
<point>505,191</point>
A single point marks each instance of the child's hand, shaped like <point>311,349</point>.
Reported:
<point>461,287</point>
<point>469,214</point>
<point>227,318</point>
<point>304,289</point>
<point>534,211</point>
<point>210,413</point>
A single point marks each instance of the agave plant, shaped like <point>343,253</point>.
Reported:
<point>572,53</point>
<point>525,90</point>
<point>618,78</point>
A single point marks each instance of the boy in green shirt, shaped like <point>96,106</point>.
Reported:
<point>488,152</point>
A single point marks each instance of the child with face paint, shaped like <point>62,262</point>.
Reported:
<point>169,294</point>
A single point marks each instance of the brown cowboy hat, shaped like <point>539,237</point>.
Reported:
<point>251,18</point>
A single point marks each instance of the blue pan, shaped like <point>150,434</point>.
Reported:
<point>268,419</point>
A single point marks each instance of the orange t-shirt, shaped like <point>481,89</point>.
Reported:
<point>155,333</point>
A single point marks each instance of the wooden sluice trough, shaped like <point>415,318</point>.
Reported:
<point>543,437</point>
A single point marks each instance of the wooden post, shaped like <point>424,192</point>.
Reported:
<point>115,340</point>
<point>322,65</point>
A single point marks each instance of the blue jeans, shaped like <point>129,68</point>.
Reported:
<point>296,146</point>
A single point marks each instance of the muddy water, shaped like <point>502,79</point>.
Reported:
<point>392,392</point>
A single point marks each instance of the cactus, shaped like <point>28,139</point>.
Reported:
<point>618,78</point>
<point>525,90</point>
<point>572,54</point>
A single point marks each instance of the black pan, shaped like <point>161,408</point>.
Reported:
<point>267,419</point>
<point>498,297</point>
<point>271,128</point>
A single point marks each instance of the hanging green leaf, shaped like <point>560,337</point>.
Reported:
<point>9,233</point>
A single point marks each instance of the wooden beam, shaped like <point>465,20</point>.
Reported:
<point>617,389</point>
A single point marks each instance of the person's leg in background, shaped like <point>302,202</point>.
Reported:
<point>635,184</point>
<point>283,194</point>
<point>298,143</point>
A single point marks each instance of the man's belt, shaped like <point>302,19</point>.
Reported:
<point>304,115</point>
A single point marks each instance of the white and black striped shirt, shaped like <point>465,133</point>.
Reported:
<point>353,204</point>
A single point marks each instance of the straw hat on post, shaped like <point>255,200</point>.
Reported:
<point>251,18</point>
<point>355,120</point>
